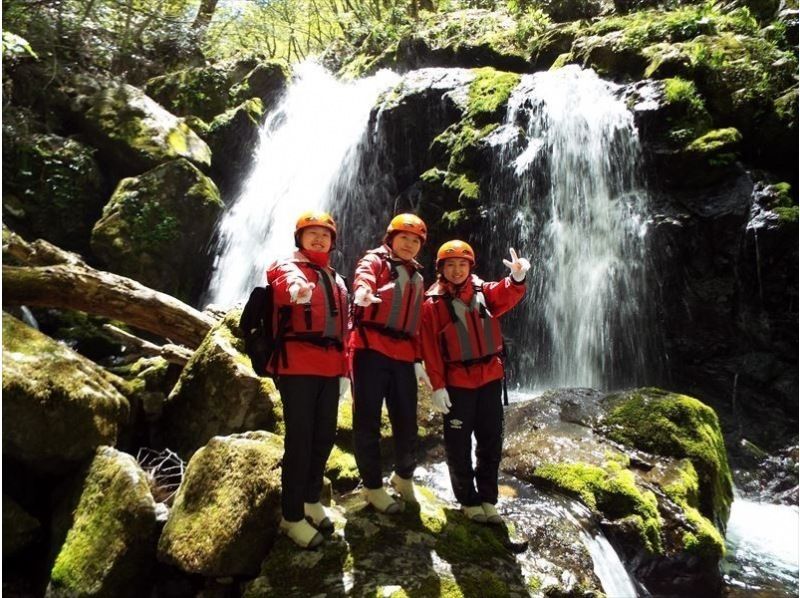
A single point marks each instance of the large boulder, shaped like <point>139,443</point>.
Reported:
<point>133,132</point>
<point>651,463</point>
<point>225,516</point>
<point>58,407</point>
<point>208,91</point>
<point>218,393</point>
<point>429,549</point>
<point>156,228</point>
<point>52,187</point>
<point>233,137</point>
<point>109,523</point>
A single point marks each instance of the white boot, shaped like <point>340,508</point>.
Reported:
<point>475,514</point>
<point>405,487</point>
<point>319,517</point>
<point>492,516</point>
<point>381,500</point>
<point>301,533</point>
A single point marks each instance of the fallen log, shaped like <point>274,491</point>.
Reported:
<point>177,354</point>
<point>51,277</point>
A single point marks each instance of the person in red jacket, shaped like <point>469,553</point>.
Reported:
<point>388,291</point>
<point>462,344</point>
<point>310,368</point>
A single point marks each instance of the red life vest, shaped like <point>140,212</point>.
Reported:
<point>322,321</point>
<point>401,294</point>
<point>472,335</point>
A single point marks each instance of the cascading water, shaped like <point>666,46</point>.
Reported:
<point>307,148</point>
<point>565,192</point>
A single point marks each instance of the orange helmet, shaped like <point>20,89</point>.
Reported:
<point>408,223</point>
<point>314,218</point>
<point>455,249</point>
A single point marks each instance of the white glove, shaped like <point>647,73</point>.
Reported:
<point>344,386</point>
<point>518,266</point>
<point>300,291</point>
<point>364,297</point>
<point>441,400</point>
<point>422,376</point>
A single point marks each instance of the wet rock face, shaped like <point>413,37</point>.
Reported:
<point>429,549</point>
<point>58,407</point>
<point>724,260</point>
<point>156,227</point>
<point>773,479</point>
<point>652,464</point>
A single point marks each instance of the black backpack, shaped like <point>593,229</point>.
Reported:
<point>256,326</point>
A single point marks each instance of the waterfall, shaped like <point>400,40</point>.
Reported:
<point>308,146</point>
<point>565,192</point>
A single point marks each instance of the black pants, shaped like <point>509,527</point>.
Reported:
<point>310,406</point>
<point>478,410</point>
<point>375,377</point>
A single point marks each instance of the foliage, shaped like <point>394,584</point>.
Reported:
<point>103,35</point>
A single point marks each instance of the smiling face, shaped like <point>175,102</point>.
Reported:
<point>455,270</point>
<point>406,246</point>
<point>316,238</point>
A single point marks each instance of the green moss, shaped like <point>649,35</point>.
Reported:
<point>678,426</point>
<point>228,500</point>
<point>611,490</point>
<point>715,140</point>
<point>342,469</point>
<point>114,525</point>
<point>642,28</point>
<point>788,215</point>
<point>488,93</point>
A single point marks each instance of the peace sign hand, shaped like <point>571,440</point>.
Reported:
<point>518,266</point>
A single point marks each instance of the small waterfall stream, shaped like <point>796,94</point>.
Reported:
<point>565,192</point>
<point>529,507</point>
<point>762,549</point>
<point>308,146</point>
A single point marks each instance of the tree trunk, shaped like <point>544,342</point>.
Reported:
<point>204,14</point>
<point>51,277</point>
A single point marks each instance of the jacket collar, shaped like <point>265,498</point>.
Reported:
<point>442,288</point>
<point>386,252</point>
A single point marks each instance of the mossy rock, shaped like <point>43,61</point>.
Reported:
<point>58,407</point>
<point>218,393</point>
<point>226,512</point>
<point>679,426</point>
<point>651,502</point>
<point>452,189</point>
<point>233,138</point>
<point>52,188</point>
<point>375,554</point>
<point>156,227</point>
<point>109,549</point>
<point>265,82</point>
<point>133,132</point>
<point>20,529</point>
<point>208,91</point>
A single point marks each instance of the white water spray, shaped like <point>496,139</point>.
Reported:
<point>307,145</point>
<point>567,179</point>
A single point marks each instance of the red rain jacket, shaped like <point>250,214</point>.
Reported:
<point>318,320</point>
<point>442,342</point>
<point>401,288</point>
